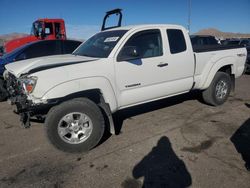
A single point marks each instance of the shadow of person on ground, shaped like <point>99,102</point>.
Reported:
<point>241,141</point>
<point>162,168</point>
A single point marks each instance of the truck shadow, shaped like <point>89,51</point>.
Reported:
<point>127,113</point>
<point>120,116</point>
<point>241,141</point>
<point>161,167</point>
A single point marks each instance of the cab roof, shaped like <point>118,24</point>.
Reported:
<point>146,26</point>
<point>50,20</point>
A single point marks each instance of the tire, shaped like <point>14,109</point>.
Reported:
<point>218,91</point>
<point>3,91</point>
<point>75,136</point>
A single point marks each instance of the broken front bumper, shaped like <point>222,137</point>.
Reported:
<point>24,106</point>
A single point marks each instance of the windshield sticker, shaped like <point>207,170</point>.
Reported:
<point>111,39</point>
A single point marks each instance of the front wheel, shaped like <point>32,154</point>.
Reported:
<point>75,126</point>
<point>219,89</point>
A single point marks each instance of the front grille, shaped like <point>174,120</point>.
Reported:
<point>16,94</point>
<point>14,87</point>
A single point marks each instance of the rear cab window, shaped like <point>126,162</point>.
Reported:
<point>177,42</point>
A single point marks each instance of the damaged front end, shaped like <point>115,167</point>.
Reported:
<point>19,90</point>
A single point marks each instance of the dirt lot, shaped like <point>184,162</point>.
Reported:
<point>178,142</point>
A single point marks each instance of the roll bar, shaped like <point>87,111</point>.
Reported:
<point>117,12</point>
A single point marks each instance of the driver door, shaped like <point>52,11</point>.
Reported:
<point>143,78</point>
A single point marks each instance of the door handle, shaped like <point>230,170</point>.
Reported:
<point>162,65</point>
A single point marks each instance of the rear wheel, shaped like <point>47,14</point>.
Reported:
<point>3,91</point>
<point>75,126</point>
<point>219,89</point>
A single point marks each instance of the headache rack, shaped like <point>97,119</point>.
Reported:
<point>117,12</point>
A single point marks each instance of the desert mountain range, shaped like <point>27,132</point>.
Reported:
<point>221,35</point>
<point>11,36</point>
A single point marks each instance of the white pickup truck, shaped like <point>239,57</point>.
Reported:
<point>115,69</point>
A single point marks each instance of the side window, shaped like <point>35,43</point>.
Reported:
<point>70,46</point>
<point>58,30</point>
<point>48,28</point>
<point>200,41</point>
<point>176,40</point>
<point>43,48</point>
<point>206,41</point>
<point>148,43</point>
<point>21,56</point>
<point>245,42</point>
<point>211,41</point>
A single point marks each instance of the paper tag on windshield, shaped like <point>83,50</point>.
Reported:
<point>111,39</point>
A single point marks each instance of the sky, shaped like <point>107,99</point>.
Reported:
<point>83,18</point>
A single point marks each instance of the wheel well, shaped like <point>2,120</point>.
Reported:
<point>93,94</point>
<point>227,69</point>
<point>96,96</point>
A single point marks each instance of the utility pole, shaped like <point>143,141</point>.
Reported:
<point>189,15</point>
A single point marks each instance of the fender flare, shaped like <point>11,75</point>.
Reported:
<point>84,84</point>
<point>227,61</point>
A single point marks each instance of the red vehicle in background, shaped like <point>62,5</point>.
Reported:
<point>42,29</point>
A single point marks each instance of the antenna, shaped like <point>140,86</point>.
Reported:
<point>189,15</point>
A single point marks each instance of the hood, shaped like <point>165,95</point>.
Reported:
<point>42,63</point>
<point>15,43</point>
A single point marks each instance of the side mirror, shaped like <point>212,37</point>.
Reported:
<point>128,53</point>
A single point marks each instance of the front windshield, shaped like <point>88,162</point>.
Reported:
<point>36,28</point>
<point>101,44</point>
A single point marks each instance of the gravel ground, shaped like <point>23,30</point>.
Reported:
<point>176,142</point>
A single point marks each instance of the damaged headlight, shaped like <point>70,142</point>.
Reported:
<point>5,75</point>
<point>28,84</point>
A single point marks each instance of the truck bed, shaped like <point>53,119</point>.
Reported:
<point>208,48</point>
<point>208,58</point>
